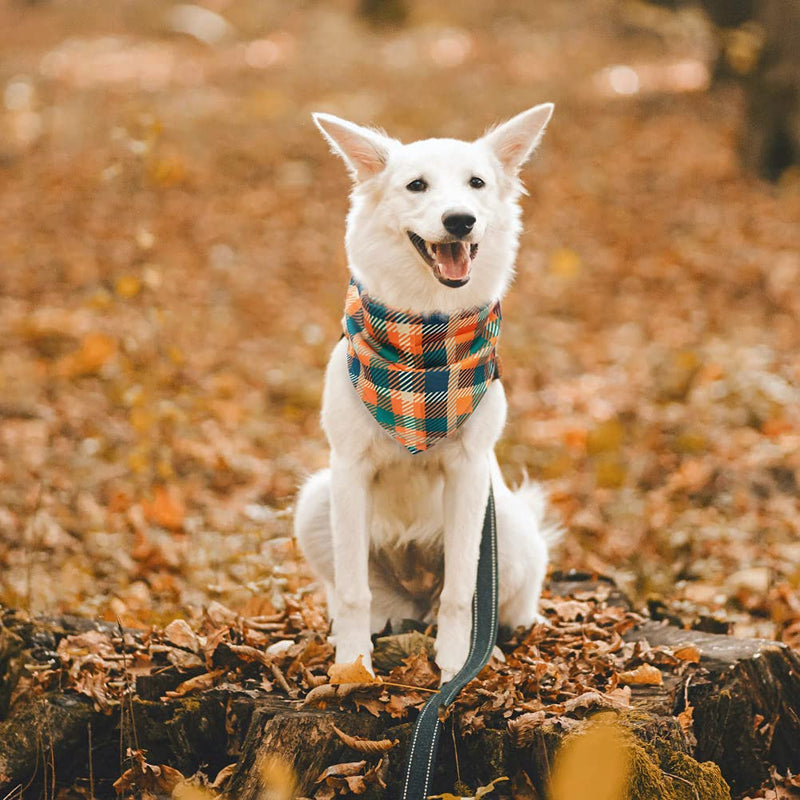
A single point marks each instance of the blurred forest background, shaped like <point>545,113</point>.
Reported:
<point>172,274</point>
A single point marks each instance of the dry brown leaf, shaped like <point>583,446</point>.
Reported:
<point>686,720</point>
<point>522,729</point>
<point>418,669</point>
<point>367,746</point>
<point>570,610</point>
<point>343,770</point>
<point>143,777</point>
<point>179,633</point>
<point>95,351</point>
<point>481,791</point>
<point>621,695</point>
<point>688,652</point>
<point>391,651</point>
<point>399,702</point>
<point>643,675</point>
<point>320,696</point>
<point>592,700</point>
<point>223,776</point>
<point>354,672</point>
<point>196,684</point>
<point>165,509</point>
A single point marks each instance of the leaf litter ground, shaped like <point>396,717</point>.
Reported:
<point>172,280</point>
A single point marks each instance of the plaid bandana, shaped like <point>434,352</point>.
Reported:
<point>420,376</point>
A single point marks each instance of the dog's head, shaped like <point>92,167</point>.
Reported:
<point>434,224</point>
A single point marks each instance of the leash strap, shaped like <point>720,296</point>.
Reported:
<point>425,739</point>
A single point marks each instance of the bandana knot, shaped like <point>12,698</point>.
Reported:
<point>419,375</point>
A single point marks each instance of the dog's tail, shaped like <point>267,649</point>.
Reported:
<point>535,498</point>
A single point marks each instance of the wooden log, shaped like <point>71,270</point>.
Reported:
<point>746,706</point>
<point>744,696</point>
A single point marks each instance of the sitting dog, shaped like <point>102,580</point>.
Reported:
<point>412,406</point>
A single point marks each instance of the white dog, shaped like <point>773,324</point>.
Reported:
<point>432,233</point>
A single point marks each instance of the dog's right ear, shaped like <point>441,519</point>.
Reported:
<point>365,151</point>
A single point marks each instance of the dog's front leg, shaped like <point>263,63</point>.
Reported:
<point>349,529</point>
<point>465,493</point>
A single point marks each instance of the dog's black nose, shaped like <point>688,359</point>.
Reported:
<point>458,224</point>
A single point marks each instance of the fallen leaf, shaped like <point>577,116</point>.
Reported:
<point>367,746</point>
<point>686,720</point>
<point>344,770</point>
<point>354,672</point>
<point>165,509</point>
<point>417,669</point>
<point>179,633</point>
<point>223,776</point>
<point>481,791</point>
<point>643,675</point>
<point>688,652</point>
<point>391,651</point>
<point>522,729</point>
<point>96,349</point>
<point>144,778</point>
<point>196,684</point>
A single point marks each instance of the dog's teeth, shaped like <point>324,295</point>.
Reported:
<point>430,250</point>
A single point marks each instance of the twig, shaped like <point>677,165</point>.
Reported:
<point>91,764</point>
<point>682,780</point>
<point>455,749</point>
<point>52,758</point>
<point>284,684</point>
<point>265,623</point>
<point>254,654</point>
<point>17,789</point>
<point>128,691</point>
<point>408,686</point>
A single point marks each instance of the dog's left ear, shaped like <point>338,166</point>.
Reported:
<point>515,140</point>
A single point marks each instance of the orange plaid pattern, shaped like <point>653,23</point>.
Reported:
<point>420,376</point>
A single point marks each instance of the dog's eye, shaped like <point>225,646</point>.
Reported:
<point>417,185</point>
<point>477,183</point>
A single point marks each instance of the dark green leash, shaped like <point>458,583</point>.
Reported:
<point>425,739</point>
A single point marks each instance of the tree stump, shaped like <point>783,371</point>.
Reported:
<point>736,707</point>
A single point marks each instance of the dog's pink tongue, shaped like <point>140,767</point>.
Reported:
<point>453,260</point>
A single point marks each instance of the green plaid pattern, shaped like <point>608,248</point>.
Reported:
<point>420,376</point>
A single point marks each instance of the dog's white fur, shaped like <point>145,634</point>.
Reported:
<point>378,504</point>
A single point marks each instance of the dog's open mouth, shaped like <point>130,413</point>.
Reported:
<point>450,261</point>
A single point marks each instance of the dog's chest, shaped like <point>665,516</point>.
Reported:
<point>406,502</point>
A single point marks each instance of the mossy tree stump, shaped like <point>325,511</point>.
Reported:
<point>744,698</point>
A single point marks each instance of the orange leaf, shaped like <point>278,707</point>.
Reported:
<point>351,673</point>
<point>165,509</point>
<point>643,675</point>
<point>688,652</point>
<point>96,349</point>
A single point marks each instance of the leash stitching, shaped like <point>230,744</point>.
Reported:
<point>446,698</point>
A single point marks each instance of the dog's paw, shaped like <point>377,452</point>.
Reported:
<point>360,657</point>
<point>452,650</point>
